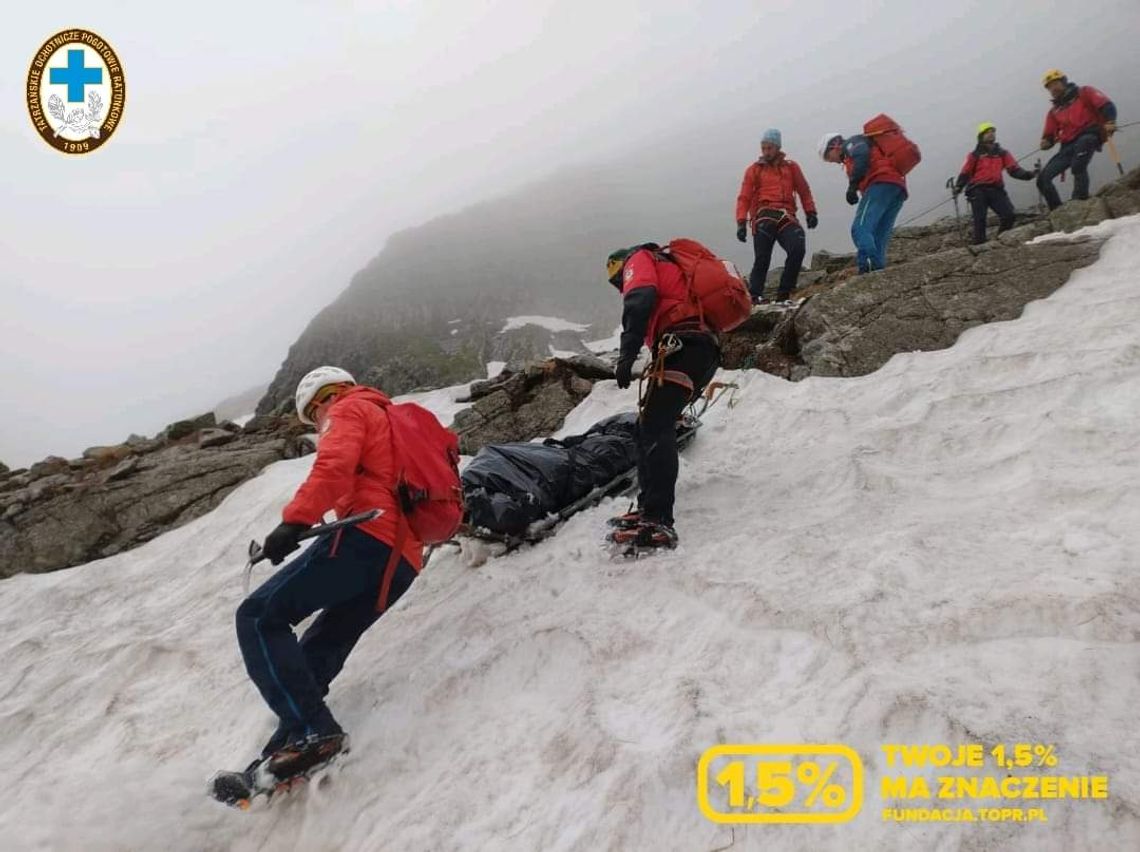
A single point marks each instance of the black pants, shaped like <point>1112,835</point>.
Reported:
<point>1074,156</point>
<point>342,578</point>
<point>985,198</point>
<point>698,359</point>
<point>769,231</point>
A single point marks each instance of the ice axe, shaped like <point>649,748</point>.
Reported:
<point>256,554</point>
<point>1113,154</point>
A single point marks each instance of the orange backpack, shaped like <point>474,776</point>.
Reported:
<point>715,286</point>
<point>885,132</point>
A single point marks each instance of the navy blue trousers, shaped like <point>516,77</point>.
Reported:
<point>791,237</point>
<point>1074,156</point>
<point>342,578</point>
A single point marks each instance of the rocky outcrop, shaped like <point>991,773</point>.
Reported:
<point>522,405</point>
<point>927,304</point>
<point>62,512</point>
<point>934,289</point>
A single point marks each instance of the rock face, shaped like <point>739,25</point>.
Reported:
<point>933,290</point>
<point>523,405</point>
<point>927,304</point>
<point>61,513</point>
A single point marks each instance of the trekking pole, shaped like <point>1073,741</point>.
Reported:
<point>1040,197</point>
<point>256,554</point>
<point>1114,155</point>
<point>957,211</point>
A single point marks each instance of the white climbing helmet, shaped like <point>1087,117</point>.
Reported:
<point>825,143</point>
<point>312,383</point>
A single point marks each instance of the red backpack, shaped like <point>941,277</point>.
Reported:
<point>885,132</point>
<point>715,286</point>
<point>427,457</point>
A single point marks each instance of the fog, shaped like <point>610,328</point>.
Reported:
<point>268,150</point>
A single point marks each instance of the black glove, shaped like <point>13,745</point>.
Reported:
<point>852,195</point>
<point>284,539</point>
<point>812,220</point>
<point>623,374</point>
<point>741,232</point>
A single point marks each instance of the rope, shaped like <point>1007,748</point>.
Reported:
<point>1034,152</point>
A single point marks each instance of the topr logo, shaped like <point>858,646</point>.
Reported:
<point>76,91</point>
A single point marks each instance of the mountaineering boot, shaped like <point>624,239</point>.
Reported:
<point>646,537</point>
<point>282,736</point>
<point>629,520</point>
<point>650,534</point>
<point>300,757</point>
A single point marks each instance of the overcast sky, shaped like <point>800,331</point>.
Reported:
<point>268,149</point>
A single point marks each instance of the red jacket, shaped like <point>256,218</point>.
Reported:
<point>354,471</point>
<point>1075,114</point>
<point>671,304</point>
<point>773,185</point>
<point>987,169</point>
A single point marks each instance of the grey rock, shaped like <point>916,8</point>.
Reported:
<point>1074,215</point>
<point>1123,196</point>
<point>831,262</point>
<point>229,426</point>
<point>214,438</point>
<point>122,470</point>
<point>141,445</point>
<point>1024,233</point>
<point>50,465</point>
<point>924,305</point>
<point>589,366</point>
<point>261,423</point>
<point>184,428</point>
<point>137,501</point>
<point>4,470</point>
<point>527,404</point>
<point>108,455</point>
<point>47,486</point>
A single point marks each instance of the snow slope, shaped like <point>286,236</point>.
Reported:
<point>549,323</point>
<point>942,551</point>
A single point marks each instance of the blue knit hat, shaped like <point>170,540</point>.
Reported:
<point>772,135</point>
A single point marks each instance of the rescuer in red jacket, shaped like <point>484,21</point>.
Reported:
<point>1081,118</point>
<point>981,177</point>
<point>768,199</point>
<point>340,573</point>
<point>657,310</point>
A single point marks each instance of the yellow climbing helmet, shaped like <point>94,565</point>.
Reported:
<point>615,264</point>
<point>984,126</point>
<point>1051,75</point>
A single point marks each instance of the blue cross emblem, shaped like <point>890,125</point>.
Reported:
<point>75,76</point>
